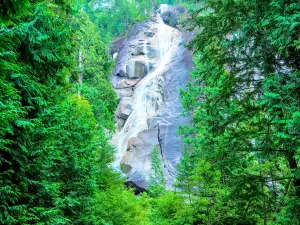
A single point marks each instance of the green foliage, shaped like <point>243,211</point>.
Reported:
<point>54,150</point>
<point>10,9</point>
<point>33,60</point>
<point>170,208</point>
<point>113,18</point>
<point>241,162</point>
<point>120,206</point>
<point>95,71</point>
<point>241,158</point>
<point>157,179</point>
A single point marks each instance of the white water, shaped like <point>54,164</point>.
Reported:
<point>146,96</point>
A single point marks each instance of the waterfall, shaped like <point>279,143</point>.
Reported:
<point>146,97</point>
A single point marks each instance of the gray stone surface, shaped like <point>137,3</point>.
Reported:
<point>124,108</point>
<point>125,92</point>
<point>136,162</point>
<point>136,69</point>
<point>170,18</point>
<point>143,50</point>
<point>163,127</point>
<point>127,83</point>
<point>120,123</point>
<point>173,14</point>
<point>149,33</point>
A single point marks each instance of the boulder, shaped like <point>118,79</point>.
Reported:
<point>134,142</point>
<point>131,159</point>
<point>143,50</point>
<point>138,179</point>
<point>124,109</point>
<point>121,73</point>
<point>117,45</point>
<point>149,33</point>
<point>136,162</point>
<point>170,18</point>
<point>127,83</point>
<point>180,9</point>
<point>125,92</point>
<point>146,50</point>
<point>136,189</point>
<point>136,69</point>
<point>120,123</point>
<point>125,167</point>
<point>153,18</point>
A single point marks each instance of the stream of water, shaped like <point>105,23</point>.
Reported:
<point>146,99</point>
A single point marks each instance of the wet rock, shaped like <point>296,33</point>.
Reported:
<point>180,9</point>
<point>137,190</point>
<point>134,143</point>
<point>172,14</point>
<point>125,167</point>
<point>120,123</point>
<point>134,155</point>
<point>115,55</point>
<point>153,18</point>
<point>146,50</point>
<point>136,162</point>
<point>125,92</point>
<point>155,93</point>
<point>143,50</point>
<point>170,18</point>
<point>136,69</point>
<point>139,179</point>
<point>118,45</point>
<point>149,33</point>
<point>127,83</point>
<point>124,109</point>
<point>164,110</point>
<point>121,73</point>
<point>135,32</point>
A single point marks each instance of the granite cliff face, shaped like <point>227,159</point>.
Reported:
<point>152,65</point>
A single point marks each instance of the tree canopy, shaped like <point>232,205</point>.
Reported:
<point>242,148</point>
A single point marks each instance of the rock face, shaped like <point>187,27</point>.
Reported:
<point>125,108</point>
<point>136,69</point>
<point>171,14</point>
<point>143,50</point>
<point>170,18</point>
<point>152,65</point>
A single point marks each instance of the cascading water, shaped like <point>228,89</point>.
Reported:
<point>146,97</point>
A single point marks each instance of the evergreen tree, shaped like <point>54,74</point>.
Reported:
<point>244,101</point>
<point>54,150</point>
<point>34,56</point>
<point>157,179</point>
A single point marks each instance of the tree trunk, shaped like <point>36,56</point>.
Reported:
<point>80,77</point>
<point>293,166</point>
